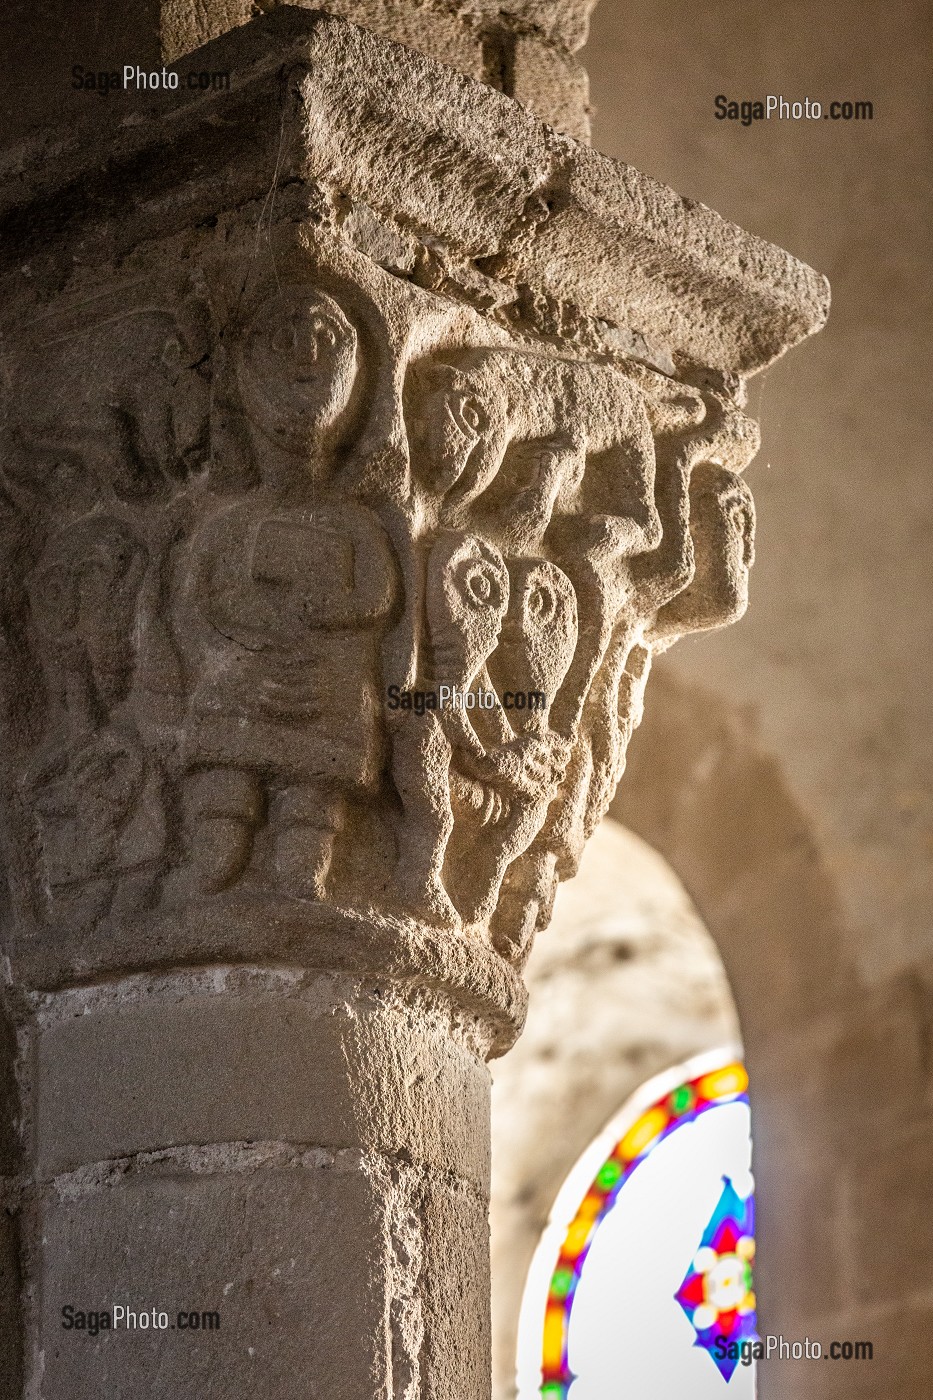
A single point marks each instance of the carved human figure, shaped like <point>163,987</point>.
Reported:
<point>562,520</point>
<point>696,431</point>
<point>722,532</point>
<point>296,374</point>
<point>285,606</point>
<point>280,609</point>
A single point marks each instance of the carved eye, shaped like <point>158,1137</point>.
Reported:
<point>481,587</point>
<point>304,340</point>
<point>467,413</point>
<point>541,604</point>
<point>323,331</point>
<point>284,339</point>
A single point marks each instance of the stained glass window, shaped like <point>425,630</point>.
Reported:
<point>642,1285</point>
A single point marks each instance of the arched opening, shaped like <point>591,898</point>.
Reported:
<point>642,1281</point>
<point>626,985</point>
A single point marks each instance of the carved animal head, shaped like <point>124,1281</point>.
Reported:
<point>451,419</point>
<point>506,437</point>
<point>467,599</point>
<point>297,369</point>
<point>119,408</point>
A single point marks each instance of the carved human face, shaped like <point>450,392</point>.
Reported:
<point>722,530</point>
<point>467,598</point>
<point>297,368</point>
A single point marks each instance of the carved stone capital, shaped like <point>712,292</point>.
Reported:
<point>352,474</point>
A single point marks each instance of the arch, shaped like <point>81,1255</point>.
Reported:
<point>659,1110</point>
<point>626,983</point>
<point>701,791</point>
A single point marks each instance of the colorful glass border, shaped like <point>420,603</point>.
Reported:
<point>684,1104</point>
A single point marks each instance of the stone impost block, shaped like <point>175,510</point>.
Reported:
<point>524,49</point>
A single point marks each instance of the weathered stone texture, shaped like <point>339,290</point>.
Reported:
<point>328,1067</point>
<point>524,49</point>
<point>277,483</point>
<point>293,1258</point>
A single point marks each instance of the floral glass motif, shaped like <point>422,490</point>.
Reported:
<point>729,1236</point>
<point>717,1294</point>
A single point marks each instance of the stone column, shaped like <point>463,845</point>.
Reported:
<point>363,440</point>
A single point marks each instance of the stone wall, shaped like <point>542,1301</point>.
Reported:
<point>524,48</point>
<point>785,768</point>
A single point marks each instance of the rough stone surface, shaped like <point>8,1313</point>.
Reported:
<point>552,84</point>
<point>525,50</point>
<point>455,1294</point>
<point>324,1066</point>
<point>258,1247</point>
<point>210,703</point>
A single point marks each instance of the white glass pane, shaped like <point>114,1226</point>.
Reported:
<point>629,1338</point>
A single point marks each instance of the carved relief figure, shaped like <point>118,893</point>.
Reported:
<point>656,542</point>
<point>503,439</point>
<point>123,412</point>
<point>85,784</point>
<point>220,658</point>
<point>525,762</point>
<point>281,608</point>
<point>722,532</point>
<point>467,594</point>
<point>296,373</point>
<point>541,456</point>
<point>107,421</point>
<point>284,716</point>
